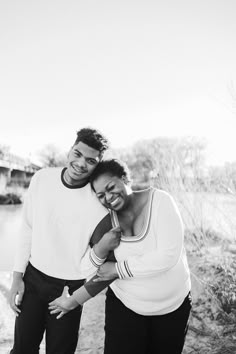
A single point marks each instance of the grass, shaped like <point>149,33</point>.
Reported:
<point>210,234</point>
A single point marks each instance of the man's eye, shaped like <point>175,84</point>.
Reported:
<point>91,162</point>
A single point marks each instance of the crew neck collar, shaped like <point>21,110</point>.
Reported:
<point>70,186</point>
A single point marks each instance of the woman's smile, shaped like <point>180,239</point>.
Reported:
<point>115,202</point>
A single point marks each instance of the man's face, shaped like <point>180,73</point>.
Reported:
<point>82,160</point>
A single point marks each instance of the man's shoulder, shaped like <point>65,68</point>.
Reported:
<point>46,174</point>
<point>48,171</point>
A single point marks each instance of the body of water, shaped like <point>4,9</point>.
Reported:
<point>10,218</point>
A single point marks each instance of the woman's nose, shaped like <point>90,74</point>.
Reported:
<point>108,197</point>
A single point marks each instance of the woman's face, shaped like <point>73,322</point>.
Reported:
<point>112,191</point>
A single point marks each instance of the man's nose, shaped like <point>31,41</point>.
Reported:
<point>81,162</point>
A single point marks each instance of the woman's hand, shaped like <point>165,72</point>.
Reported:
<point>107,271</point>
<point>108,242</point>
<point>62,304</point>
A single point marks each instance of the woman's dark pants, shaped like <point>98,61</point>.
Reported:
<point>127,332</point>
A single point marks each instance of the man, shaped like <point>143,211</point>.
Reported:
<point>60,214</point>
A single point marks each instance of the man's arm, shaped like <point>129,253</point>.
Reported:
<point>102,243</point>
<point>23,251</point>
<point>66,303</point>
<point>103,239</point>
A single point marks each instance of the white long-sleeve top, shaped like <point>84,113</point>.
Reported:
<point>57,224</point>
<point>153,267</point>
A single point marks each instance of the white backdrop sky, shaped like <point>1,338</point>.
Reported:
<point>135,69</point>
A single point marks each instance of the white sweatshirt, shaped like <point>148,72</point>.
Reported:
<point>153,267</point>
<point>57,223</point>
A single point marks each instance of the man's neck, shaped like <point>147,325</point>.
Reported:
<point>73,182</point>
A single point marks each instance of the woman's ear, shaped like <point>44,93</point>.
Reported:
<point>125,179</point>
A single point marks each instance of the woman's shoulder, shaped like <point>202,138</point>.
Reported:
<point>161,196</point>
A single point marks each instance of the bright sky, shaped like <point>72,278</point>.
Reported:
<point>135,69</point>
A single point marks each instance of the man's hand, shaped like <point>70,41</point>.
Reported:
<point>16,292</point>
<point>107,271</point>
<point>108,242</point>
<point>62,304</point>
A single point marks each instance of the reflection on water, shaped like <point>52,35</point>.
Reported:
<point>10,217</point>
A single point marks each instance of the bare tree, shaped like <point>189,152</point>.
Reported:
<point>51,156</point>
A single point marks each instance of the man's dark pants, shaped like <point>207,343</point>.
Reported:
<point>61,335</point>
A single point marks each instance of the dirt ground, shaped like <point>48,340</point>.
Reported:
<point>91,330</point>
<point>91,337</point>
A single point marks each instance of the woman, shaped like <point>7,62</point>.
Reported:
<point>148,305</point>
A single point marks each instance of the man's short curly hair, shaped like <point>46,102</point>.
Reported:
<point>92,138</point>
<point>113,167</point>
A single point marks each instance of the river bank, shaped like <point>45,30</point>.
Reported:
<point>211,258</point>
<point>209,332</point>
<point>10,199</point>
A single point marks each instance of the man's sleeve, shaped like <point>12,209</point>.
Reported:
<point>90,261</point>
<point>24,238</point>
<point>168,228</point>
<point>93,288</point>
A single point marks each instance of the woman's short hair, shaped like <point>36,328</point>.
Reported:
<point>114,167</point>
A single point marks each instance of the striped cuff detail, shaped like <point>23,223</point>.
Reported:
<point>95,260</point>
<point>123,270</point>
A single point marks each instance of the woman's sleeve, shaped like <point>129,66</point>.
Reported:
<point>169,231</point>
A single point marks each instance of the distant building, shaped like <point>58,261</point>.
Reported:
<point>15,170</point>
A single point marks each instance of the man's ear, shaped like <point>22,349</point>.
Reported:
<point>68,153</point>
